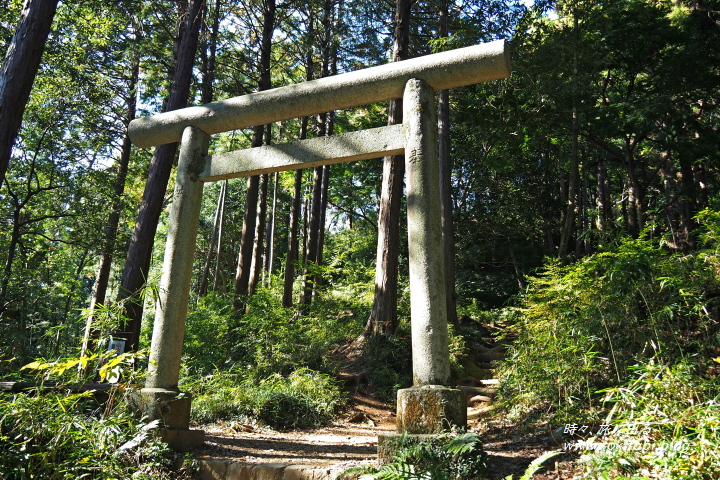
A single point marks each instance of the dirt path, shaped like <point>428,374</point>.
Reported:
<point>352,441</point>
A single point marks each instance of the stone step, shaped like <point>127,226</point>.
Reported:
<point>473,391</point>
<point>219,469</point>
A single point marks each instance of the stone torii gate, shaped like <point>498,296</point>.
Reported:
<point>429,406</point>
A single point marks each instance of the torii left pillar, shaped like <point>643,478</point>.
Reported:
<point>161,398</point>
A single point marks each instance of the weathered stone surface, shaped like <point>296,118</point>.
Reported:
<point>471,391</point>
<point>430,409</point>
<point>182,440</point>
<point>305,472</point>
<point>164,405</point>
<point>455,68</point>
<point>213,469</point>
<point>475,413</point>
<point>313,152</point>
<point>267,471</point>
<point>171,306</point>
<point>428,308</point>
<point>478,400</point>
<point>238,471</point>
<point>299,472</point>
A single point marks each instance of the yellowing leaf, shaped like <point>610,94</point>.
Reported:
<point>37,366</point>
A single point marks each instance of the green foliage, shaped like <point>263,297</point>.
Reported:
<point>59,435</point>
<point>584,325</point>
<point>666,425</point>
<point>389,361</point>
<point>303,399</point>
<point>452,456</point>
<point>270,338</point>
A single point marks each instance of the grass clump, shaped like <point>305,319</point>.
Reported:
<point>665,424</point>
<point>303,399</point>
<point>585,325</point>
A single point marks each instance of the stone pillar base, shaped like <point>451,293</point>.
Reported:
<point>182,440</point>
<point>172,409</point>
<point>430,409</point>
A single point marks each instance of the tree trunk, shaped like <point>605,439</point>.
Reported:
<point>383,317</point>
<point>17,75</point>
<point>218,255</point>
<point>270,238</point>
<point>603,198</point>
<point>209,54</point>
<point>293,242</point>
<point>259,245</point>
<point>202,291</point>
<point>111,229</point>
<point>446,181</point>
<point>688,207</point>
<point>572,194</point>
<point>312,239</point>
<point>137,262</point>
<point>292,254</point>
<point>324,129</point>
<point>244,278</point>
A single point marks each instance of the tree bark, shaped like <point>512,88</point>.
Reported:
<point>111,229</point>
<point>292,254</point>
<point>446,181</point>
<point>313,235</point>
<point>245,267</point>
<point>17,75</point>
<point>202,291</point>
<point>603,198</point>
<point>259,244</point>
<point>383,318</point>
<point>293,242</point>
<point>270,236</point>
<point>324,129</point>
<point>137,262</point>
<point>218,255</point>
<point>572,193</point>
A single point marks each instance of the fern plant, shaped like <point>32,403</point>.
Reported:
<point>452,456</point>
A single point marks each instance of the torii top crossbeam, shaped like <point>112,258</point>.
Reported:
<point>445,70</point>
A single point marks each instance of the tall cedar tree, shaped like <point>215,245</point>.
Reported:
<point>244,285</point>
<point>445,165</point>
<point>137,263</point>
<point>208,55</point>
<point>22,61</point>
<point>383,318</point>
<point>316,234</point>
<point>111,228</point>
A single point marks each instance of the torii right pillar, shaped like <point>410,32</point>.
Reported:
<point>429,406</point>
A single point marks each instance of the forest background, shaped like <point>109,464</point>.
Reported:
<point>579,195</point>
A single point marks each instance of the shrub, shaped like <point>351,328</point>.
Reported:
<point>303,399</point>
<point>451,456</point>
<point>666,425</point>
<point>584,325</point>
<point>54,435</point>
<point>389,361</point>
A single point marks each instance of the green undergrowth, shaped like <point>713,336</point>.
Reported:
<point>663,423</point>
<point>55,434</point>
<point>303,399</point>
<point>450,456</point>
<point>626,336</point>
<point>269,338</point>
